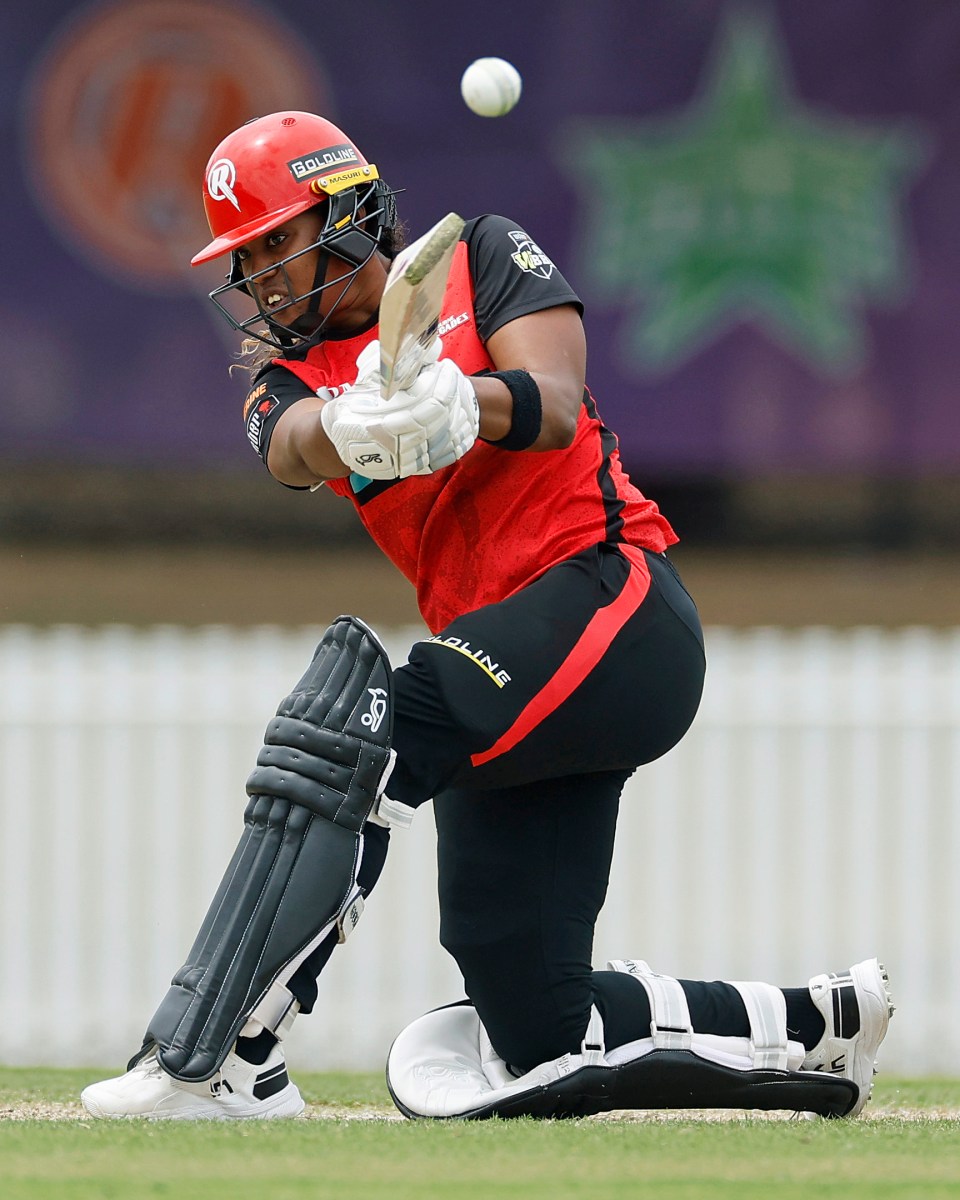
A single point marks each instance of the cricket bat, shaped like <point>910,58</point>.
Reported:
<point>411,302</point>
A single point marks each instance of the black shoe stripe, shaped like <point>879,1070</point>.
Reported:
<point>846,1011</point>
<point>271,1082</point>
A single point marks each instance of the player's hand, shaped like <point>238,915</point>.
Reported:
<point>412,433</point>
<point>443,383</point>
<point>344,420</point>
<point>415,432</point>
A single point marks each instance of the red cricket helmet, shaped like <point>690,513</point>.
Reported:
<point>274,168</point>
<point>271,169</point>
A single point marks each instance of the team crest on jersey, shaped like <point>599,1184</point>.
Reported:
<point>529,257</point>
<point>256,416</point>
<point>252,398</point>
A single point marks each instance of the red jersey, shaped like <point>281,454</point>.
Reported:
<point>473,533</point>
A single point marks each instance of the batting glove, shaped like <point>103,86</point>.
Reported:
<point>415,432</point>
<point>444,384</point>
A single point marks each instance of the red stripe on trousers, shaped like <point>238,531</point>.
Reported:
<point>590,647</point>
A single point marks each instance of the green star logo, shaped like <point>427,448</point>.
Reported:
<point>745,207</point>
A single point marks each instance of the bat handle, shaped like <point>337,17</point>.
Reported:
<point>408,365</point>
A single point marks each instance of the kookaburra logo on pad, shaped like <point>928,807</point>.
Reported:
<point>373,718</point>
<point>220,180</point>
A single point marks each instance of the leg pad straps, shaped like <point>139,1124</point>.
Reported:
<point>768,1047</point>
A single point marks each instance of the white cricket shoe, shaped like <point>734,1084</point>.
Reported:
<point>856,1009</point>
<point>239,1091</point>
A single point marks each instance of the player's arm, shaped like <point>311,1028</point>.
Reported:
<point>282,418</point>
<point>529,319</point>
<point>300,452</point>
<point>551,347</point>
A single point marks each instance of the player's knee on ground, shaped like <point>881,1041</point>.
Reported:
<point>531,1012</point>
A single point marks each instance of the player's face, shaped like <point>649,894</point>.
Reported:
<point>281,266</point>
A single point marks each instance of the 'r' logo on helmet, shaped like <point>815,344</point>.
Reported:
<point>220,180</point>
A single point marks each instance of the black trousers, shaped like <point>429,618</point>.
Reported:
<point>523,720</point>
<point>597,666</point>
<point>526,834</point>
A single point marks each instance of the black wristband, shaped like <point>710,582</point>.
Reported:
<point>527,410</point>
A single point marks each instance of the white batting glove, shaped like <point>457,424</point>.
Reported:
<point>415,432</point>
<point>352,423</point>
<point>445,384</point>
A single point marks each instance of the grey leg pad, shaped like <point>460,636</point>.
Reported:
<point>442,1065</point>
<point>675,1079</point>
<point>325,758</point>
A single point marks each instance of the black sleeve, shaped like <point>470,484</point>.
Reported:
<point>511,274</point>
<point>274,390</point>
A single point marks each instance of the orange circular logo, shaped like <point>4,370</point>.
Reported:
<point>124,110</point>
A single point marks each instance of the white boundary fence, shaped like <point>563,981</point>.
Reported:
<point>809,819</point>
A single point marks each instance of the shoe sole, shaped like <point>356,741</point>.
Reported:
<point>872,986</point>
<point>287,1103</point>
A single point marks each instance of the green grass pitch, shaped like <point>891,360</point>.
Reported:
<point>352,1146</point>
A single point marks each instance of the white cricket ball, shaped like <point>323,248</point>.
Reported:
<point>491,86</point>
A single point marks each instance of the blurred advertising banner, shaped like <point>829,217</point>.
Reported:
<point>758,203</point>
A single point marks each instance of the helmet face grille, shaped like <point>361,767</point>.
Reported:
<point>357,223</point>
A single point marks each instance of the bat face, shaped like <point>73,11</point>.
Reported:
<point>411,302</point>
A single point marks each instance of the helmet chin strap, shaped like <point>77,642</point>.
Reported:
<point>313,305</point>
<point>309,323</point>
<point>353,246</point>
<point>310,327</point>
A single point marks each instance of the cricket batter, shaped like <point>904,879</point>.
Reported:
<point>563,653</point>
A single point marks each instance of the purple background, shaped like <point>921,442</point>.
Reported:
<point>102,365</point>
